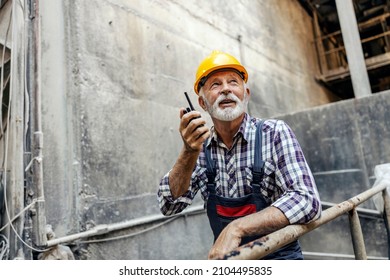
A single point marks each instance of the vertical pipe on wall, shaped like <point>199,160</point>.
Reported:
<point>39,215</point>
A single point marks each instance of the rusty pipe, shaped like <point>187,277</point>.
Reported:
<point>267,244</point>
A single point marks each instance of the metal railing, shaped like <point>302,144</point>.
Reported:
<point>270,243</point>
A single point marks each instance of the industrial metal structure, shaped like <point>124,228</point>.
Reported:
<point>373,26</point>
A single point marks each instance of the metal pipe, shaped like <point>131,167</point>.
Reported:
<point>335,256</point>
<point>38,213</point>
<point>357,235</point>
<point>105,228</point>
<point>386,216</point>
<point>267,244</point>
<point>371,213</point>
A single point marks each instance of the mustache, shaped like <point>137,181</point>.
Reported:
<point>224,97</point>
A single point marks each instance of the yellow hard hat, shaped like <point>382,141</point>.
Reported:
<point>215,61</point>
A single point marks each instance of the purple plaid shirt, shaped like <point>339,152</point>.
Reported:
<point>288,183</point>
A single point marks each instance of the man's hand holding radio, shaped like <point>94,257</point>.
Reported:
<point>193,130</point>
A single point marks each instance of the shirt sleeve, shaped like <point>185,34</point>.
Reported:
<point>300,201</point>
<point>170,206</point>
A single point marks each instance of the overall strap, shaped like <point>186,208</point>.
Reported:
<point>258,166</point>
<point>211,170</point>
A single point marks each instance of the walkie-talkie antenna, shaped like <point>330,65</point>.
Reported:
<point>189,101</point>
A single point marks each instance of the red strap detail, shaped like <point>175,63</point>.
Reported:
<point>236,211</point>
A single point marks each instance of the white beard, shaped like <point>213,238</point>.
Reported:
<point>227,114</point>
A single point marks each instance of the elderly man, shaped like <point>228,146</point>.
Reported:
<point>251,172</point>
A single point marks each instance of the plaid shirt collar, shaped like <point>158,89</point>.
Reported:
<point>242,131</point>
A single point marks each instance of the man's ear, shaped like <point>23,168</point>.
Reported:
<point>248,91</point>
<point>202,103</point>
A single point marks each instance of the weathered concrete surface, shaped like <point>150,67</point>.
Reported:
<point>343,142</point>
<point>335,238</point>
<point>113,77</point>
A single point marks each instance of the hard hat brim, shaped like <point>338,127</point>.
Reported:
<point>232,67</point>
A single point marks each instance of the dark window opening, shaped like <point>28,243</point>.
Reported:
<point>5,67</point>
<point>373,17</point>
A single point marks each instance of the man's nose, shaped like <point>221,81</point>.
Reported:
<point>225,88</point>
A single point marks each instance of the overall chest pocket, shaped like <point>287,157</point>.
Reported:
<point>235,183</point>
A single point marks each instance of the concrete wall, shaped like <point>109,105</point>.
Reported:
<point>113,77</point>
<point>343,142</point>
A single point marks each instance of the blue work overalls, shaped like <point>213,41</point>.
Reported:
<point>221,210</point>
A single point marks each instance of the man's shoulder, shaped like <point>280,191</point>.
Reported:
<point>272,126</point>
<point>269,124</point>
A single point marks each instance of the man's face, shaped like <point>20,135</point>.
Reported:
<point>224,96</point>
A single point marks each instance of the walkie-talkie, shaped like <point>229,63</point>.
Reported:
<point>191,108</point>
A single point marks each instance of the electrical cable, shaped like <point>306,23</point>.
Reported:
<point>38,159</point>
<point>5,159</point>
<point>20,213</point>
<point>130,234</point>
<point>4,247</point>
